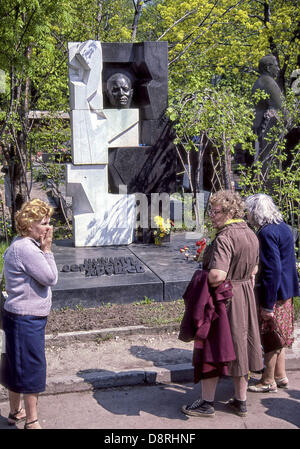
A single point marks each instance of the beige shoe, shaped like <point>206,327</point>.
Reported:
<point>282,383</point>
<point>263,388</point>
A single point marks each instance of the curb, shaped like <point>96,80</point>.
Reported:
<point>108,333</point>
<point>97,379</point>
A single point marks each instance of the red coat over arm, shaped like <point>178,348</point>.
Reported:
<point>205,321</point>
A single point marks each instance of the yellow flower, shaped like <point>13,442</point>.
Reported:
<point>158,220</point>
<point>164,226</point>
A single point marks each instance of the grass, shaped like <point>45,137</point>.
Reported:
<point>3,246</point>
<point>159,314</point>
<point>297,307</point>
<point>102,338</point>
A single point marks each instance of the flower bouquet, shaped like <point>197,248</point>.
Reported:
<point>164,229</point>
<point>200,247</point>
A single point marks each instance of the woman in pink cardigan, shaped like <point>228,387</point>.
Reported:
<point>30,271</point>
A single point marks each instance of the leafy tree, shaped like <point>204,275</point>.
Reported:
<point>215,47</point>
<point>29,57</point>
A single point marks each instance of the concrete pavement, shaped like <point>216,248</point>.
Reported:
<point>114,410</point>
<point>151,364</point>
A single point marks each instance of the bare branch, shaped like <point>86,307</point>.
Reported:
<point>177,22</point>
<point>206,30</point>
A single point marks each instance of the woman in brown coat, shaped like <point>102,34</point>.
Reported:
<point>233,255</point>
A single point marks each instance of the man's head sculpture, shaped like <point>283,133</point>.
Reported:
<point>119,90</point>
<point>268,66</point>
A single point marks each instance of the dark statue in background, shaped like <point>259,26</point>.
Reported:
<point>119,90</point>
<point>266,109</point>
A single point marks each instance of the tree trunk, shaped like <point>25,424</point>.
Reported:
<point>137,13</point>
<point>15,148</point>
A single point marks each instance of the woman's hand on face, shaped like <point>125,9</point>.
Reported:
<point>46,240</point>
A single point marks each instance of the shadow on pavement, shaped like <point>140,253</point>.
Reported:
<point>169,397</point>
<point>170,356</point>
<point>283,408</point>
<point>4,424</point>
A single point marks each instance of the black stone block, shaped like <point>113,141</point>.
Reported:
<point>146,63</point>
<point>143,169</point>
<point>101,281</point>
<point>151,167</point>
<point>159,273</point>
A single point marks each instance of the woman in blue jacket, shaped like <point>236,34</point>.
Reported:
<point>277,284</point>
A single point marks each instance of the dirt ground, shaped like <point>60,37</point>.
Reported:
<point>115,315</point>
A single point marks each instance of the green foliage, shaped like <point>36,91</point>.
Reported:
<point>146,300</point>
<point>214,49</point>
<point>214,52</point>
<point>3,247</point>
<point>102,338</point>
<point>297,307</point>
<point>282,179</point>
<point>218,114</point>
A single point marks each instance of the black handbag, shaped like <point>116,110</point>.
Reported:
<point>271,338</point>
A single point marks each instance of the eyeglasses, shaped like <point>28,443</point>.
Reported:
<point>212,212</point>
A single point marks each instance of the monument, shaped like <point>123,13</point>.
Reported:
<point>99,218</point>
<point>121,140</point>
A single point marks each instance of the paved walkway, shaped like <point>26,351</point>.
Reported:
<point>90,365</point>
<point>124,409</point>
<point>123,356</point>
<point>140,381</point>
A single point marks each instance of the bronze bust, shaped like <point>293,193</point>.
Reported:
<point>119,90</point>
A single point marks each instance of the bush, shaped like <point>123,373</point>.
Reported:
<point>297,307</point>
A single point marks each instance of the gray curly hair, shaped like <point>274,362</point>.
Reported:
<point>262,209</point>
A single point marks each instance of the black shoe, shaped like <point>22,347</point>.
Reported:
<point>239,407</point>
<point>199,408</point>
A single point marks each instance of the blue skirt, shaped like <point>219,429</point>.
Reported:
<point>25,365</point>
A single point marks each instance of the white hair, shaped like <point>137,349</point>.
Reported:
<point>262,209</point>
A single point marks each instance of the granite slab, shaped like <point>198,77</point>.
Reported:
<point>77,287</point>
<point>162,273</point>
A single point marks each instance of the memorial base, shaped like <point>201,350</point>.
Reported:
<point>94,276</point>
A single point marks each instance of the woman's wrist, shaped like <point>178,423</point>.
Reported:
<point>267,310</point>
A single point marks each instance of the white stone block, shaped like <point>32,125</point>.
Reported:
<point>86,185</point>
<point>85,75</point>
<point>89,137</point>
<point>112,224</point>
<point>123,127</point>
